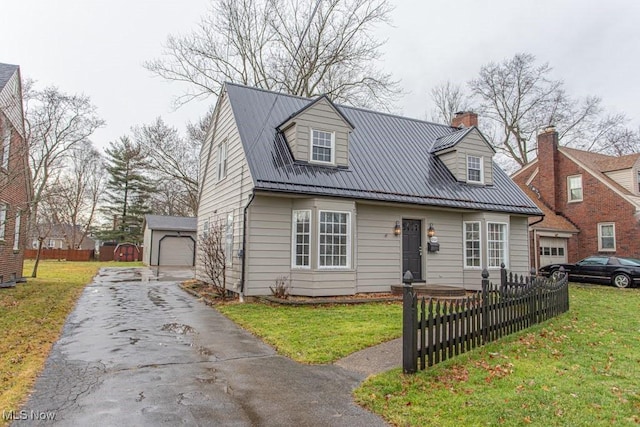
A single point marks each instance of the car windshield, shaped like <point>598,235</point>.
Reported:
<point>631,262</point>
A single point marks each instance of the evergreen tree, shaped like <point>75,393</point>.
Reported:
<point>128,191</point>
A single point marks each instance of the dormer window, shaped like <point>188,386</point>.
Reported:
<point>475,170</point>
<point>322,147</point>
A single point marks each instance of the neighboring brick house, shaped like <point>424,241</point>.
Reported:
<point>591,202</point>
<point>14,176</point>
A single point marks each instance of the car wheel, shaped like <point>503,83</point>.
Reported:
<point>555,275</point>
<point>622,280</point>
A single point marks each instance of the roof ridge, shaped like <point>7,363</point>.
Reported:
<point>349,107</point>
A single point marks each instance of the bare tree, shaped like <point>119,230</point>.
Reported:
<point>212,256</point>
<point>448,99</point>
<point>303,47</point>
<point>173,162</point>
<point>56,123</point>
<point>519,98</point>
<point>72,199</point>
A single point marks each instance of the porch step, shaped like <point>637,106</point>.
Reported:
<point>436,291</point>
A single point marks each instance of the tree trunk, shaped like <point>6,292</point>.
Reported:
<point>34,273</point>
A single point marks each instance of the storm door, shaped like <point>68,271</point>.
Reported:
<point>412,247</point>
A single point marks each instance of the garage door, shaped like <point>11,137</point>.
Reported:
<point>176,251</point>
<point>553,250</point>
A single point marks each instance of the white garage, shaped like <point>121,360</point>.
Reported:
<point>553,250</point>
<point>169,240</point>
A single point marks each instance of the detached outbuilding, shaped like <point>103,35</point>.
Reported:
<point>169,240</point>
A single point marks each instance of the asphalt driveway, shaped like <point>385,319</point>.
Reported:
<point>139,351</point>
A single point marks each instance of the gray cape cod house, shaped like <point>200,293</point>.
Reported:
<point>343,200</point>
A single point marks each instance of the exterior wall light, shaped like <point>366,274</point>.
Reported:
<point>432,243</point>
<point>431,231</point>
<point>397,230</point>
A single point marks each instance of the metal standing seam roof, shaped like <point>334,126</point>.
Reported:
<point>390,159</point>
<point>172,223</point>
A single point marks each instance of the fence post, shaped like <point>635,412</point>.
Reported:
<point>503,275</point>
<point>409,326</point>
<point>485,306</point>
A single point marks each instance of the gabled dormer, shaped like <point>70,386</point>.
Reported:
<point>318,134</point>
<point>468,155</point>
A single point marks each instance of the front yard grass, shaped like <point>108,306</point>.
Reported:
<point>319,334</point>
<point>580,369</point>
<point>31,319</point>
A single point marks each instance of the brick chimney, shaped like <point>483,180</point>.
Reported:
<point>548,166</point>
<point>465,119</point>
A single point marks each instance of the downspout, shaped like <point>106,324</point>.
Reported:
<point>244,242</point>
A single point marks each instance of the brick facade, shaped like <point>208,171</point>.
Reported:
<point>603,199</point>
<point>14,182</point>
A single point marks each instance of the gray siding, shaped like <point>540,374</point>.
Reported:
<point>474,145</point>
<point>11,102</point>
<point>231,194</point>
<point>320,116</point>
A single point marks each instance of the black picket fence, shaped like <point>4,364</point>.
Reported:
<point>434,331</point>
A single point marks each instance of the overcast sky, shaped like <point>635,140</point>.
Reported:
<point>97,47</point>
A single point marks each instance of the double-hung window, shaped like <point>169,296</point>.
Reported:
<point>475,170</point>
<point>607,237</point>
<point>222,161</point>
<point>496,244</point>
<point>301,244</point>
<point>472,252</point>
<point>16,232</point>
<point>574,188</point>
<point>3,220</point>
<point>322,146</point>
<point>6,143</point>
<point>334,243</point>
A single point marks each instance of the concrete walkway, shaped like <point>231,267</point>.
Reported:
<point>138,351</point>
<point>374,360</point>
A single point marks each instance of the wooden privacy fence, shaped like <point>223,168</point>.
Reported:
<point>434,331</point>
<point>60,254</point>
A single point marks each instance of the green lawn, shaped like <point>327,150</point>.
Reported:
<point>31,319</point>
<point>319,334</point>
<point>580,369</point>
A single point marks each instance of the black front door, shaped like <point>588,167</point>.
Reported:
<point>412,247</point>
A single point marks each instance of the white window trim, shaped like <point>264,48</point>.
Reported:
<point>4,208</point>
<point>481,158</point>
<point>6,144</point>
<point>222,160</point>
<point>569,199</point>
<point>333,267</point>
<point>506,245</point>
<point>464,248</point>
<point>600,248</point>
<point>333,147</point>
<point>294,240</point>
<point>16,231</point>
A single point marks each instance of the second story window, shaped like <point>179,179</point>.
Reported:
<point>322,147</point>
<point>5,144</point>
<point>222,161</point>
<point>574,188</point>
<point>474,170</point>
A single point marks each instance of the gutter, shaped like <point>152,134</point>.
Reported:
<point>244,241</point>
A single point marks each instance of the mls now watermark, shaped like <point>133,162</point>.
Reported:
<point>28,415</point>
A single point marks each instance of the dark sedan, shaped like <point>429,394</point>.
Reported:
<point>620,271</point>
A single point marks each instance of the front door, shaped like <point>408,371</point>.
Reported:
<point>412,247</point>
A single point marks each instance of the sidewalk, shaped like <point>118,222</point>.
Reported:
<point>374,360</point>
